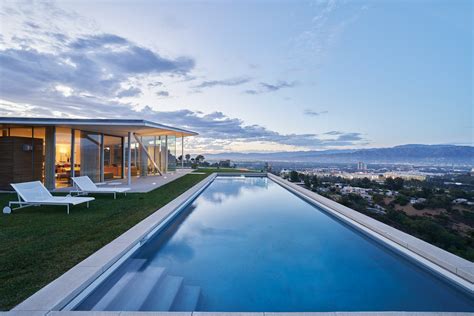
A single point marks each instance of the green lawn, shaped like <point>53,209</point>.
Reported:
<point>38,244</point>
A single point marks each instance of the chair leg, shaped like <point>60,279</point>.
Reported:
<point>67,208</point>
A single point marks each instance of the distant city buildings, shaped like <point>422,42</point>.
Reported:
<point>363,192</point>
<point>417,201</point>
<point>371,175</point>
<point>361,166</point>
<point>462,201</point>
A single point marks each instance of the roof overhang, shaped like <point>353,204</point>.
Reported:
<point>117,127</point>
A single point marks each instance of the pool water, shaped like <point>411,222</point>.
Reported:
<point>248,244</point>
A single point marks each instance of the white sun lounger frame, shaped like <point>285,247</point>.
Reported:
<point>43,196</point>
<point>83,185</point>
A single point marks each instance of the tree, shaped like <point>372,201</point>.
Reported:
<point>394,184</point>
<point>401,200</point>
<point>314,181</point>
<point>187,156</point>
<point>307,181</point>
<point>425,193</point>
<point>378,199</point>
<point>267,167</point>
<point>294,177</point>
<point>399,183</point>
<point>419,206</point>
<point>199,158</point>
<point>366,183</point>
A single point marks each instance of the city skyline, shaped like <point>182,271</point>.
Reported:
<point>248,76</point>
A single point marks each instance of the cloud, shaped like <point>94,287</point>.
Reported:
<point>130,92</point>
<point>93,67</point>
<point>44,46</point>
<point>225,82</point>
<point>163,94</point>
<point>333,133</point>
<point>214,128</point>
<point>310,112</point>
<point>267,87</point>
<point>155,84</point>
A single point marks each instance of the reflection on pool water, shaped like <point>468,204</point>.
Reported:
<point>247,244</point>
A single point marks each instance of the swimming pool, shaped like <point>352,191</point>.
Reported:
<point>248,244</point>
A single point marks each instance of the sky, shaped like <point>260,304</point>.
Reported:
<point>248,76</point>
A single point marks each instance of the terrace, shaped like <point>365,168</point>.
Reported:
<point>142,184</point>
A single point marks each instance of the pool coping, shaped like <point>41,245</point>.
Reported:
<point>456,269</point>
<point>56,295</point>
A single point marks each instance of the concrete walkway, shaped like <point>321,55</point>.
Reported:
<point>142,184</point>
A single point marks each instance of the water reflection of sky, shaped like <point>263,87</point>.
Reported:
<point>224,188</point>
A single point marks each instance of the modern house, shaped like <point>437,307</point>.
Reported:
<point>53,150</point>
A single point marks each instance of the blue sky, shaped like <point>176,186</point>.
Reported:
<point>248,75</point>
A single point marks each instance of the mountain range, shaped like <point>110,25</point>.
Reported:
<point>412,154</point>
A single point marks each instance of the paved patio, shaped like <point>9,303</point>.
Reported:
<point>142,184</point>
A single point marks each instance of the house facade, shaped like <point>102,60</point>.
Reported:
<point>54,150</point>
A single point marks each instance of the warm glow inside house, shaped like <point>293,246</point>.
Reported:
<point>54,150</point>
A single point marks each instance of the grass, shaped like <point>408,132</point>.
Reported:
<point>38,244</point>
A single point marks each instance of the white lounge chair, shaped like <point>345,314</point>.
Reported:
<point>85,185</point>
<point>34,193</point>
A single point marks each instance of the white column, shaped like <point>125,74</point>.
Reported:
<point>182,151</point>
<point>129,162</point>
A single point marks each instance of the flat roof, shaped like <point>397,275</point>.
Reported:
<point>119,127</point>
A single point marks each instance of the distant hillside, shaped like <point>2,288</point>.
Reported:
<point>414,154</point>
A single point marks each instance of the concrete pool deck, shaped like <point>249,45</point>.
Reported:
<point>55,296</point>
<point>142,184</point>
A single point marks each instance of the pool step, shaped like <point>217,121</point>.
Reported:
<point>187,299</point>
<point>130,272</point>
<point>163,295</point>
<point>138,289</point>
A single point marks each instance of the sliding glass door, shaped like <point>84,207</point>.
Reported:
<point>87,154</point>
<point>113,157</point>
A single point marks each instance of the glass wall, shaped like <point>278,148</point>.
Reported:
<point>113,157</point>
<point>171,153</point>
<point>87,154</point>
<point>46,154</point>
<point>135,155</point>
<point>163,154</point>
<point>144,159</point>
<point>152,154</point>
<point>62,164</point>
